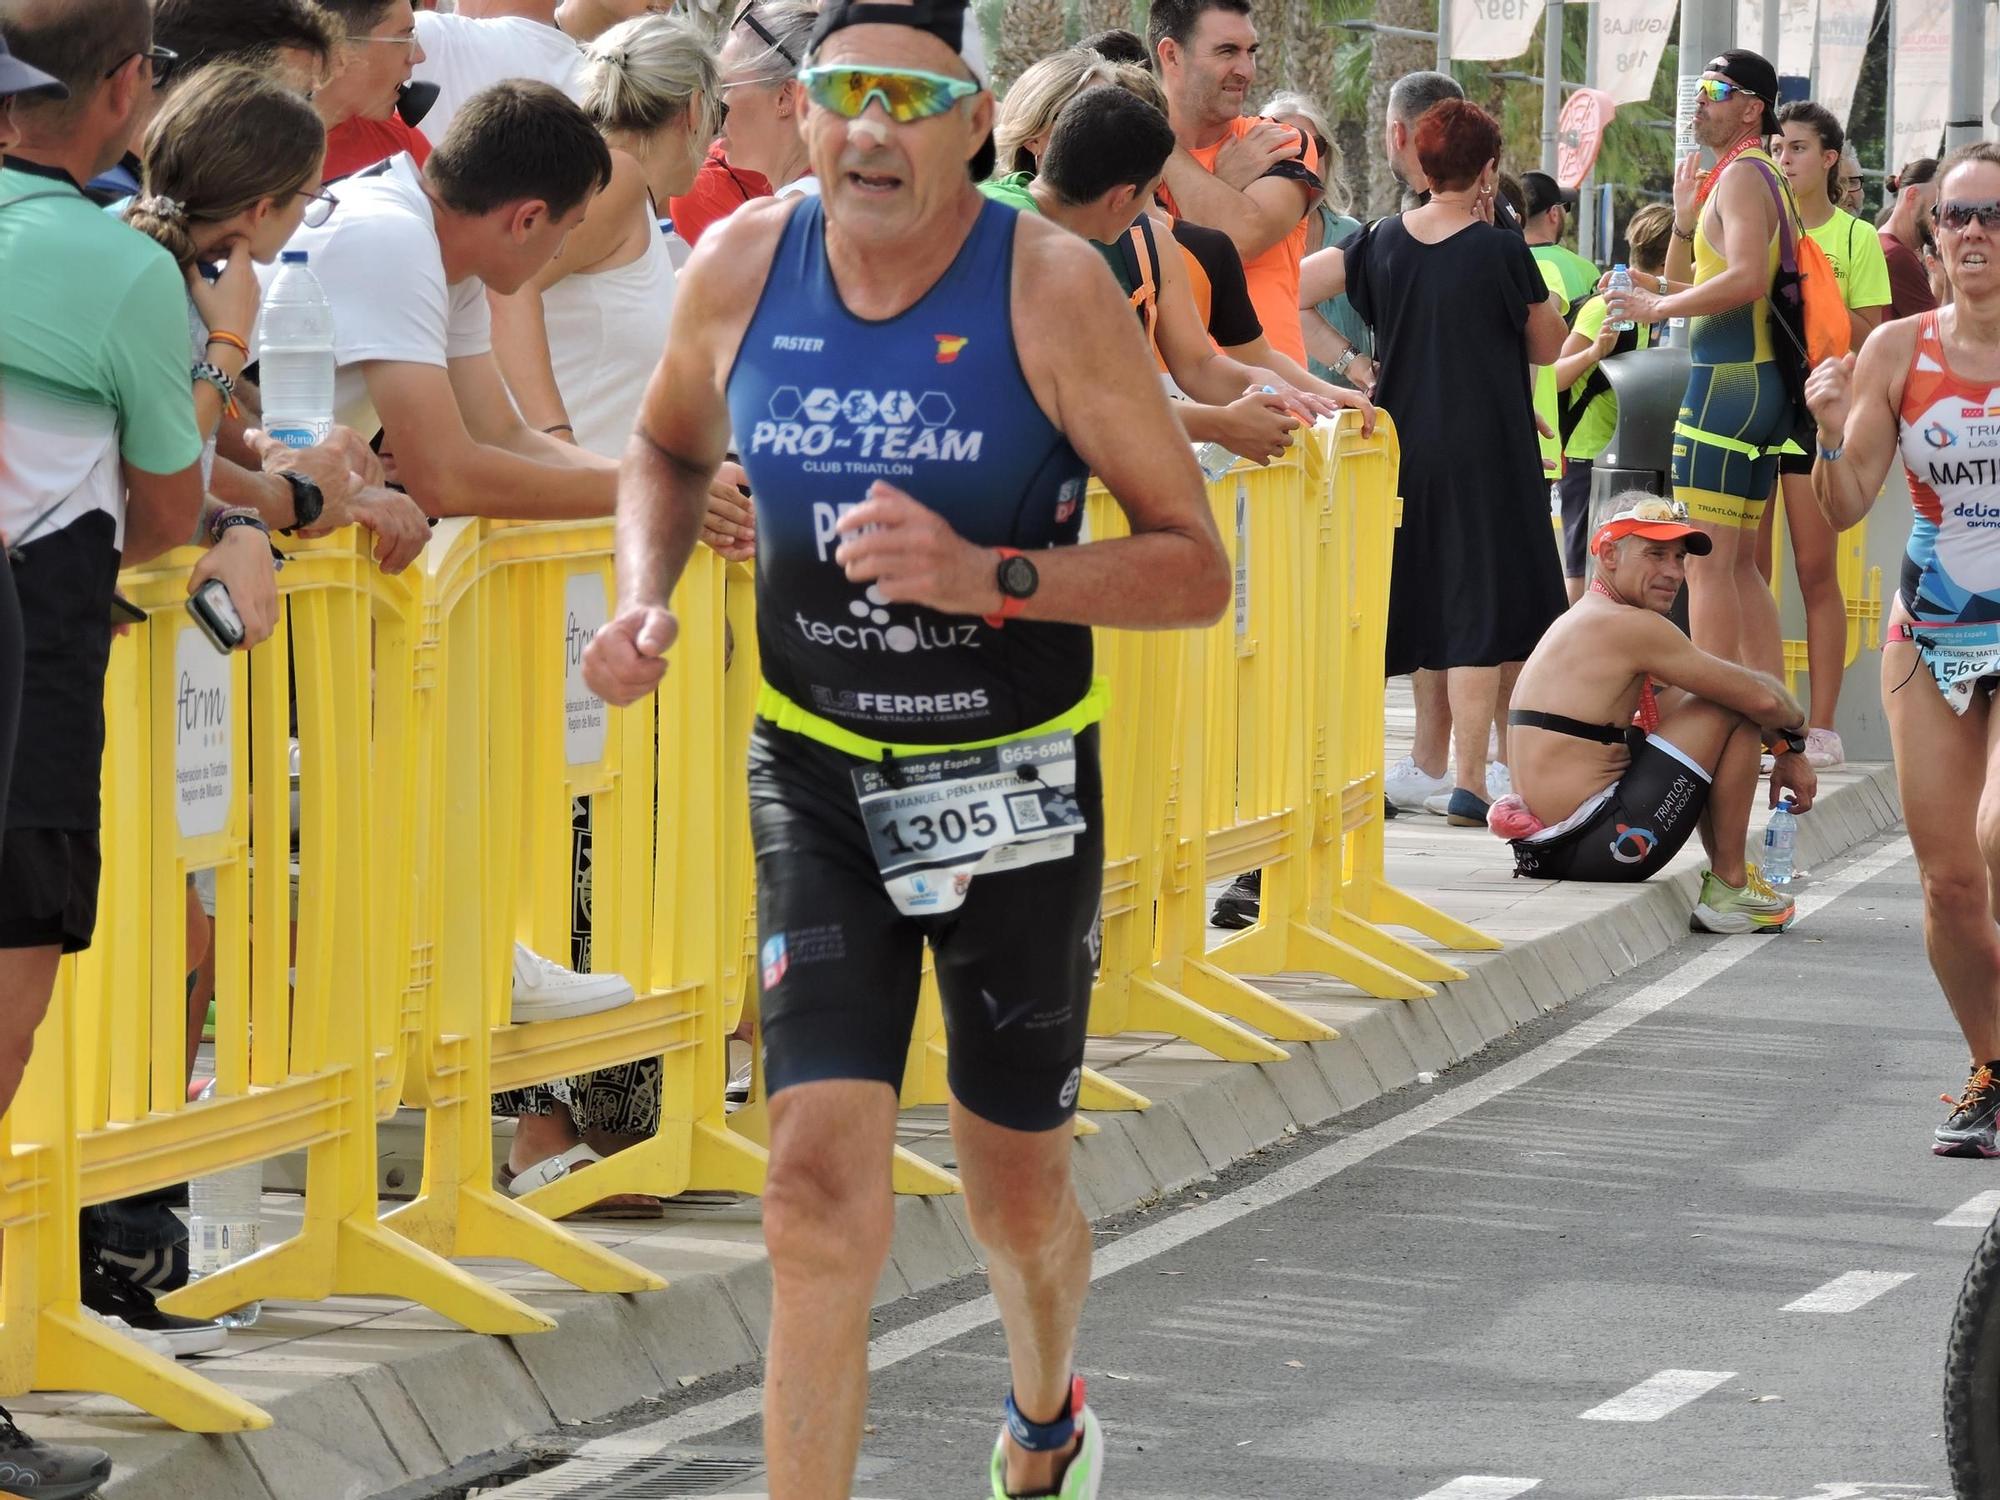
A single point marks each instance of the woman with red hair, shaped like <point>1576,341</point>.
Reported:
<point>1460,312</point>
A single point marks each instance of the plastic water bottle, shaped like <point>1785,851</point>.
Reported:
<point>225,1224</point>
<point>1621,281</point>
<point>1781,838</point>
<point>295,353</point>
<point>1216,460</point>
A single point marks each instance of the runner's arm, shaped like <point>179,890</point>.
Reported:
<point>1853,401</point>
<point>1255,218</point>
<point>1090,372</point>
<point>1197,366</point>
<point>1744,205</point>
<point>1659,648</point>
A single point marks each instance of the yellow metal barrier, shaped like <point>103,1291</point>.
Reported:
<point>435,783</point>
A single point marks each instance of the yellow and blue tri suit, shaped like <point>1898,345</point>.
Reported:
<point>1736,414</point>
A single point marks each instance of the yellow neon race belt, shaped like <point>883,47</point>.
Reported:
<point>775,708</point>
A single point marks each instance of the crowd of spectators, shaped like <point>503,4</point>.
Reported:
<point>496,200</point>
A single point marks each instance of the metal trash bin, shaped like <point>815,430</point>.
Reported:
<point>1649,384</point>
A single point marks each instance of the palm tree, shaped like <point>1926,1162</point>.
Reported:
<point>1029,30</point>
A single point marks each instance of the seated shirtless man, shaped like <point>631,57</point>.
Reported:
<point>1630,738</point>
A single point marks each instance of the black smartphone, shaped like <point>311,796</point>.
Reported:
<point>215,612</point>
<point>125,612</point>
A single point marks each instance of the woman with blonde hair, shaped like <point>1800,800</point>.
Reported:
<point>578,343</point>
<point>1028,116</point>
<point>1339,343</point>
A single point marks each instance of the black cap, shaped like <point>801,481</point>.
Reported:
<point>1751,73</point>
<point>1544,193</point>
<point>16,77</point>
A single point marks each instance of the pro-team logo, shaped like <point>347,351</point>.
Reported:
<point>1632,845</point>
<point>775,960</point>
<point>863,430</point>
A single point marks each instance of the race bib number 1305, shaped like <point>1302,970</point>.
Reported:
<point>936,821</point>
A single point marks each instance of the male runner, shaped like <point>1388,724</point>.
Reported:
<point>1736,414</point>
<point>920,382</point>
<point>1637,737</point>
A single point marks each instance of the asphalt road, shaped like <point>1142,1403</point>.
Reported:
<point>1680,1239</point>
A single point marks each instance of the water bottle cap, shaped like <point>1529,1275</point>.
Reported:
<point>292,257</point>
<point>1619,267</point>
<point>1784,804</point>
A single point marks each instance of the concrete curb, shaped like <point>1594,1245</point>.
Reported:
<point>364,1410</point>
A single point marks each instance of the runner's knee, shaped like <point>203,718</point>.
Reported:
<point>1020,1227</point>
<point>1956,896</point>
<point>826,1216</point>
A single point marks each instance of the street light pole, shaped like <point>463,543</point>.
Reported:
<point>1769,43</point>
<point>1444,36</point>
<point>1964,120</point>
<point>1586,205</point>
<point>1552,80</point>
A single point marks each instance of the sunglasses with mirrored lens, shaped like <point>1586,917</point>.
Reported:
<point>906,94</point>
<point>1659,510</point>
<point>1959,214</point>
<point>1715,90</point>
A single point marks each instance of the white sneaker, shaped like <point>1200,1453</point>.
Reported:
<point>1823,749</point>
<point>155,1343</point>
<point>1409,787</point>
<point>1499,781</point>
<point>545,991</point>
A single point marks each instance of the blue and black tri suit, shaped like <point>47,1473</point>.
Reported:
<point>934,402</point>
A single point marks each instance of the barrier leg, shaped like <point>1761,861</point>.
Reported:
<point>1383,902</point>
<point>1320,952</point>
<point>1099,1093</point>
<point>355,1256</point>
<point>1217,990</point>
<point>1384,948</point>
<point>73,1353</point>
<point>490,1224</point>
<point>1154,1007</point>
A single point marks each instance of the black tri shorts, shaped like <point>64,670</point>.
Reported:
<point>48,887</point>
<point>1642,823</point>
<point>840,966</point>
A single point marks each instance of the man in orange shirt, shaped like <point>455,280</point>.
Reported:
<point>1253,179</point>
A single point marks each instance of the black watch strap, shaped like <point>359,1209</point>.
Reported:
<point>307,500</point>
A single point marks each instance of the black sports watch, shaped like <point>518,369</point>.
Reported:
<point>307,501</point>
<point>1017,580</point>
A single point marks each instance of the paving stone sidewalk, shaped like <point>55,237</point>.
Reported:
<point>370,1394</point>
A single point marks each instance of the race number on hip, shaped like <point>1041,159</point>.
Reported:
<point>935,821</point>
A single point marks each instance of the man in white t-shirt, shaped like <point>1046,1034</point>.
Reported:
<point>406,261</point>
<point>484,41</point>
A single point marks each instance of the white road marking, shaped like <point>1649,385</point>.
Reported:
<point>1658,1395</point>
<point>1974,1213</point>
<point>1708,962</point>
<point>1481,1487</point>
<point>1845,1293</point>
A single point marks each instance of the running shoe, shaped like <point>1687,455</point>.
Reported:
<point>1409,785</point>
<point>1753,907</point>
<point>1970,1130</point>
<point>48,1471</point>
<point>546,991</point>
<point>1824,750</point>
<point>1080,1479</point>
<point>1460,808</point>
<point>1236,907</point>
<point>1499,781</point>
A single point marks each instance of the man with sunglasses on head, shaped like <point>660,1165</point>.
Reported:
<point>1637,739</point>
<point>921,382</point>
<point>1921,391</point>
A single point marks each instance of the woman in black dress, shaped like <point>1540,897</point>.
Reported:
<point>1460,312</point>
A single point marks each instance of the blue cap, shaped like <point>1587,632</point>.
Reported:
<point>291,257</point>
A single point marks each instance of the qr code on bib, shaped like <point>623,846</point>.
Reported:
<point>1026,810</point>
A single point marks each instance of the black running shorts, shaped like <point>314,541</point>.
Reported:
<point>1643,824</point>
<point>48,887</point>
<point>840,965</point>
